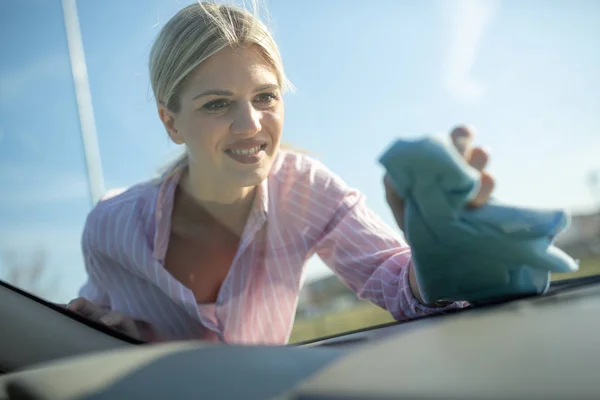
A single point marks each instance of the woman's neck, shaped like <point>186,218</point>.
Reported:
<point>229,206</point>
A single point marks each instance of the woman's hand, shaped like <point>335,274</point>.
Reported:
<point>462,137</point>
<point>113,319</point>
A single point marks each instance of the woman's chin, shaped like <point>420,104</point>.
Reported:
<point>250,174</point>
<point>252,177</point>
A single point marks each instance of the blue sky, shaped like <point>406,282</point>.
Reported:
<point>525,74</point>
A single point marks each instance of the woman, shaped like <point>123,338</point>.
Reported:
<point>215,248</point>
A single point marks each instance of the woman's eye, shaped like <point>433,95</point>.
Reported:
<point>216,105</point>
<point>266,98</point>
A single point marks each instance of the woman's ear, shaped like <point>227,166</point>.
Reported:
<point>168,119</point>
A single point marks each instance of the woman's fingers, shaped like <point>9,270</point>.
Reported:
<point>462,138</point>
<point>112,319</point>
<point>485,191</point>
<point>120,322</point>
<point>479,158</point>
<point>86,308</point>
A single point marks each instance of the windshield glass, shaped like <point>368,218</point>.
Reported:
<point>266,232</point>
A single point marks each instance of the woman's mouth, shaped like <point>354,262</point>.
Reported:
<point>247,155</point>
<point>246,152</point>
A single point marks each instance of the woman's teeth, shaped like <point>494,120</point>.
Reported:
<point>246,152</point>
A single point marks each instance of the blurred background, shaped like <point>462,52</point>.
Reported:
<point>525,74</point>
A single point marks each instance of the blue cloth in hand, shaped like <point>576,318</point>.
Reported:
<point>465,253</point>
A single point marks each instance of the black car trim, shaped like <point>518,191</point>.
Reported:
<point>555,287</point>
<point>79,318</point>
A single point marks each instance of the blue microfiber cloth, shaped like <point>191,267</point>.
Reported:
<point>462,253</point>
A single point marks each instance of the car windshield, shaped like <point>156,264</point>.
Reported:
<point>88,211</point>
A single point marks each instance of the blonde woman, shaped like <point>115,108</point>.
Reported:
<point>215,248</point>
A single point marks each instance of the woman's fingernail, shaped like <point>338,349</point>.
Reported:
<point>461,140</point>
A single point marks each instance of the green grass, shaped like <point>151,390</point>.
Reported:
<point>363,315</point>
<point>587,267</point>
<point>367,314</point>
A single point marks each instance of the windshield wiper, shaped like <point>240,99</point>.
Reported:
<point>572,283</point>
<point>555,287</point>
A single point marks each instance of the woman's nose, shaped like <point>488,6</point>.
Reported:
<point>247,120</point>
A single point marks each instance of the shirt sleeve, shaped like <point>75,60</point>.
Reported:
<point>371,259</point>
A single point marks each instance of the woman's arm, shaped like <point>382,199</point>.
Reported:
<point>93,290</point>
<point>94,301</point>
<point>137,329</point>
<point>372,259</point>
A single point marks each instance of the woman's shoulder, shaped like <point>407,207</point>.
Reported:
<point>300,175</point>
<point>116,210</point>
<point>304,167</point>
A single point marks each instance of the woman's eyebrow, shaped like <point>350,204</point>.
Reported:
<point>214,92</point>
<point>219,92</point>
<point>269,86</point>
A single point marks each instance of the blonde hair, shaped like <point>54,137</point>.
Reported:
<point>194,34</point>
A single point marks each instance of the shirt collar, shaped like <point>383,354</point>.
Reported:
<point>164,207</point>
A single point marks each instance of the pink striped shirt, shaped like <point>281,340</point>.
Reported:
<point>301,209</point>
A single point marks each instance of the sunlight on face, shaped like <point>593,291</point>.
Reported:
<point>231,117</point>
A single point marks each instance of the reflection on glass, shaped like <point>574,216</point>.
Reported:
<point>527,83</point>
<point>43,183</point>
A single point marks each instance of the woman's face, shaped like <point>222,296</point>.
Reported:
<point>230,118</point>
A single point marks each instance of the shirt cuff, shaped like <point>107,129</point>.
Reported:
<point>416,306</point>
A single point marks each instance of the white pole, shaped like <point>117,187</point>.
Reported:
<point>84,100</point>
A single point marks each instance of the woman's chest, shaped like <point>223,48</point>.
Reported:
<point>202,262</point>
